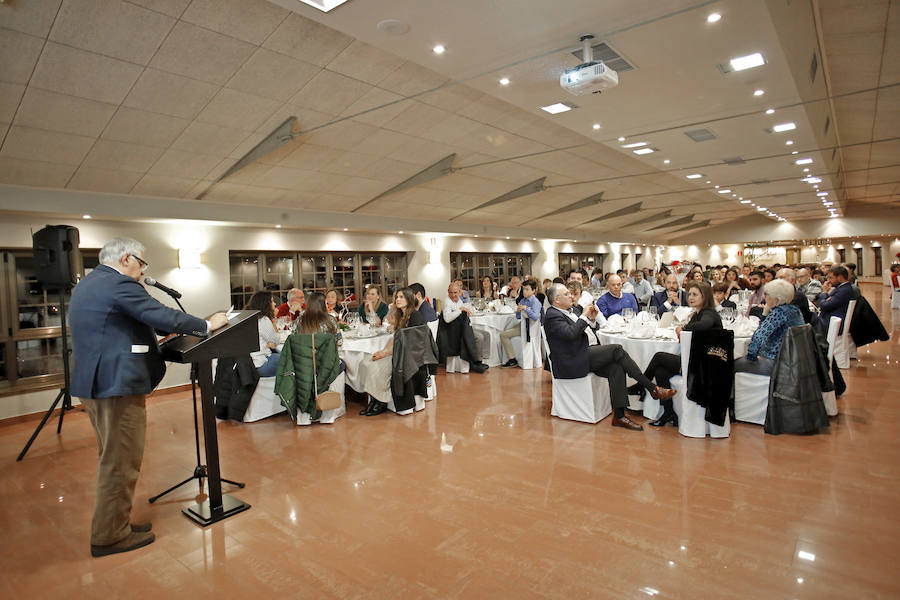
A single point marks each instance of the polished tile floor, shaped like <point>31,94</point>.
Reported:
<point>516,504</point>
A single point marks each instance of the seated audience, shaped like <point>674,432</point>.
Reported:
<point>533,309</point>
<point>781,315</point>
<point>266,358</point>
<point>851,273</point>
<point>664,365</point>
<point>613,302</point>
<point>642,288</point>
<point>627,286</point>
<point>463,294</point>
<point>799,300</point>
<point>572,358</point>
<point>513,289</point>
<point>331,303</point>
<point>375,372</point>
<point>584,298</point>
<point>720,291</point>
<point>464,336</point>
<point>755,284</point>
<point>895,277</point>
<point>597,277</point>
<point>769,275</point>
<point>671,297</point>
<point>819,275</point>
<point>373,310</point>
<point>317,320</point>
<point>422,304</point>
<point>294,306</point>
<point>715,276</point>
<point>488,289</point>
<point>734,282</point>
<point>577,275</point>
<point>835,297</point>
<point>808,286</point>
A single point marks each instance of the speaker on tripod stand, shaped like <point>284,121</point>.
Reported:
<point>58,266</point>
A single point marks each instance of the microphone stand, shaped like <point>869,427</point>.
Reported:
<point>200,470</point>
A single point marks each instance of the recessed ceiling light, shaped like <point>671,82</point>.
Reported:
<point>828,203</point>
<point>507,237</point>
<point>278,226</point>
<point>85,216</point>
<point>346,229</point>
<point>784,127</point>
<point>557,108</point>
<point>760,208</point>
<point>439,49</point>
<point>724,191</point>
<point>820,194</point>
<point>709,182</point>
<point>713,18</point>
<point>324,5</point>
<point>789,143</point>
<point>803,161</point>
<point>643,151</point>
<point>667,161</point>
<point>717,186</point>
<point>621,139</point>
<point>596,126</point>
<point>400,232</point>
<point>504,81</point>
<point>806,170</point>
<point>734,195</point>
<point>694,176</point>
<point>747,62</point>
<point>745,202</point>
<point>740,197</point>
<point>770,111</point>
<point>795,152</point>
<point>759,92</point>
<point>635,145</point>
<point>811,179</point>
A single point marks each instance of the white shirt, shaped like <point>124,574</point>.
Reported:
<point>643,290</point>
<point>586,299</point>
<point>627,288</point>
<point>591,327</point>
<point>451,309</point>
<point>266,334</point>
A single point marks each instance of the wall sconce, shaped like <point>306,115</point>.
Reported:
<point>188,258</point>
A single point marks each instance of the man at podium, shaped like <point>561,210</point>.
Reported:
<point>117,364</point>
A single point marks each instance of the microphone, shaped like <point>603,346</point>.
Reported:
<point>174,293</point>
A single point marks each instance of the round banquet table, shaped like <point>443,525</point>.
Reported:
<point>355,349</point>
<point>494,324</point>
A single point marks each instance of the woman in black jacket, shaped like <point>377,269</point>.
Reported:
<point>664,365</point>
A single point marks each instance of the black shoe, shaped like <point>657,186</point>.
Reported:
<point>667,417</point>
<point>379,408</point>
<point>511,363</point>
<point>478,367</point>
<point>369,406</point>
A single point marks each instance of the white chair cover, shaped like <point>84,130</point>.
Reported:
<point>433,325</point>
<point>834,325</point>
<point>457,365</point>
<point>844,348</point>
<point>328,416</point>
<point>585,399</point>
<point>431,385</point>
<point>751,397</point>
<point>895,299</point>
<point>691,416</point>
<point>528,354</point>
<point>264,402</point>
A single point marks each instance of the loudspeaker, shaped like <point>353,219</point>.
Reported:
<point>57,259</point>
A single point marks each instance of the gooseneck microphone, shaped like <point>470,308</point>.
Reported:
<point>174,293</point>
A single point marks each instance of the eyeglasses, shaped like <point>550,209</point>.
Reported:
<point>143,262</point>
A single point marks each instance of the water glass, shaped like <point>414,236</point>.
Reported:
<point>653,312</point>
<point>628,314</point>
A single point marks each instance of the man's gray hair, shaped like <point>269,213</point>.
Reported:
<point>555,290</point>
<point>787,274</point>
<point>114,249</point>
<point>780,289</point>
<point>294,293</point>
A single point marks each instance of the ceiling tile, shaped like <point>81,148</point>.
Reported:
<point>273,75</point>
<point>249,20</point>
<point>454,98</point>
<point>46,146</point>
<point>451,129</point>
<point>10,96</point>
<point>344,135</point>
<point>57,112</point>
<point>330,92</point>
<point>348,163</point>
<point>201,54</point>
<point>33,17</point>
<point>416,118</point>
<point>168,94</point>
<point>388,170</point>
<point>237,110</point>
<point>84,74</point>
<point>122,156</point>
<point>34,173</point>
<point>307,40</point>
<point>20,53</point>
<point>422,152</point>
<point>299,179</point>
<point>112,28</point>
<point>358,187</point>
<point>382,142</point>
<point>142,127</point>
<point>306,119</point>
<point>173,8</point>
<point>204,138</point>
<point>376,107</point>
<point>410,78</point>
<point>103,180</point>
<point>365,63</point>
<point>250,174</point>
<point>185,165</point>
<point>161,185</point>
<point>310,157</point>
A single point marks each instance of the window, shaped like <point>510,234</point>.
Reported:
<point>877,251</point>
<point>30,324</point>
<point>859,262</point>
<point>588,262</point>
<point>842,255</point>
<point>348,272</point>
<point>472,267</point>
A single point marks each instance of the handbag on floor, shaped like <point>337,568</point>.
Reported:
<point>328,400</point>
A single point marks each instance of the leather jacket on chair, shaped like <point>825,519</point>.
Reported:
<point>799,377</point>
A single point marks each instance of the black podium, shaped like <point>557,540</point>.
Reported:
<point>239,338</point>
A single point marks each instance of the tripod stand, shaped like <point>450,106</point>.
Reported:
<point>63,394</point>
<point>200,470</point>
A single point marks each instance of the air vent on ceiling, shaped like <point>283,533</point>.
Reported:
<point>700,135</point>
<point>734,160</point>
<point>760,181</point>
<point>608,56</point>
<point>813,68</point>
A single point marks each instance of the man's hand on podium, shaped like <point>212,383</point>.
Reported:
<point>217,321</point>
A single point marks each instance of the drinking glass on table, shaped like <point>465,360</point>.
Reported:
<point>283,323</point>
<point>628,314</point>
<point>653,312</point>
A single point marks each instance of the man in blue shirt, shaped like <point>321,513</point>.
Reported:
<point>531,306</point>
<point>615,301</point>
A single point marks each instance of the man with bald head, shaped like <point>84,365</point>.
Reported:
<point>800,300</point>
<point>810,287</point>
<point>670,298</point>
<point>615,301</point>
<point>456,336</point>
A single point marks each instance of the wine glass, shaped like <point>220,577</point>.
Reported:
<point>653,312</point>
<point>628,314</point>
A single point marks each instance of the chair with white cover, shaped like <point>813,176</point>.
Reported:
<point>432,384</point>
<point>691,416</point>
<point>751,397</point>
<point>264,402</point>
<point>328,416</point>
<point>834,325</point>
<point>844,348</point>
<point>528,354</point>
<point>895,298</point>
<point>585,399</point>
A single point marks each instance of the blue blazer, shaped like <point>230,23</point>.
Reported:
<point>834,304</point>
<point>658,299</point>
<point>112,319</point>
<point>568,345</point>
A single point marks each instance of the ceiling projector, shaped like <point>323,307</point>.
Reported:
<point>590,76</point>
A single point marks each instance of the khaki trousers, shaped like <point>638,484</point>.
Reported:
<point>120,424</point>
<point>506,337</point>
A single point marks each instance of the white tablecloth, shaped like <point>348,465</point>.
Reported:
<point>494,324</point>
<point>354,350</point>
<point>642,350</point>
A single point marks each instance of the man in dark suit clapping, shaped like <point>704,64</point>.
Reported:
<point>117,364</point>
<point>670,298</point>
<point>572,358</point>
